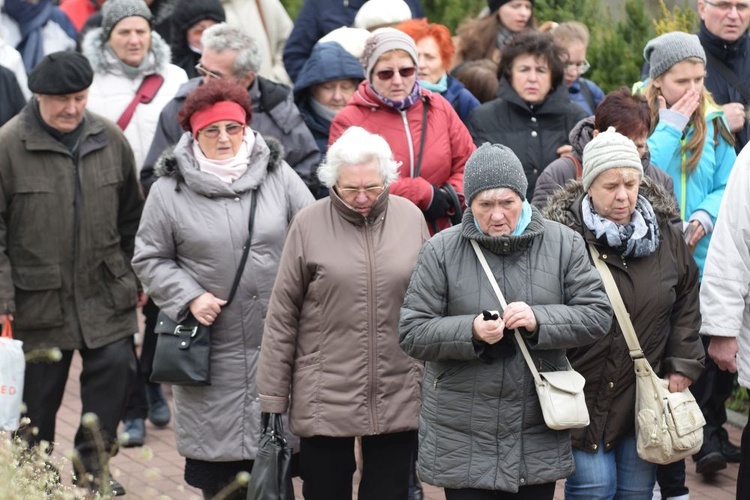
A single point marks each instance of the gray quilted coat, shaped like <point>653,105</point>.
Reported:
<point>481,425</point>
<point>189,242</point>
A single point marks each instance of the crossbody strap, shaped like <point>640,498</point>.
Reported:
<point>729,76</point>
<point>421,138</point>
<point>503,304</point>
<point>623,318</point>
<point>246,248</point>
<point>145,94</point>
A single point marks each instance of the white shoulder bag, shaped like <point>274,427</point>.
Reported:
<point>560,392</point>
<point>668,425</point>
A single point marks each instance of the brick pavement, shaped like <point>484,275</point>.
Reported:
<point>155,471</point>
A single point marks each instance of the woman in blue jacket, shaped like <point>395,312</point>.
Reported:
<point>690,139</point>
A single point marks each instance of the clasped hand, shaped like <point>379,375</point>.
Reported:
<point>516,315</point>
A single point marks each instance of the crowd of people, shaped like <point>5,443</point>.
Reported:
<point>348,176</point>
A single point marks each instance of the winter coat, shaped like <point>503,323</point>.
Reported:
<point>78,11</point>
<point>187,14</point>
<point>533,132</point>
<point>660,292</point>
<point>11,98</point>
<point>64,291</point>
<point>267,22</point>
<point>446,147</point>
<point>460,98</point>
<point>726,278</point>
<point>704,187</point>
<point>331,333</point>
<point>190,242</point>
<point>735,56</point>
<point>112,90</point>
<point>328,61</point>
<point>564,169</point>
<point>274,117</point>
<point>481,425</point>
<point>316,19</point>
<point>578,95</point>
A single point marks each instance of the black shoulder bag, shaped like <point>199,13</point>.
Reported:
<point>183,350</point>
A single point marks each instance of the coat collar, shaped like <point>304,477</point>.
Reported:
<point>503,245</point>
<point>94,46</point>
<point>37,139</point>
<point>556,101</point>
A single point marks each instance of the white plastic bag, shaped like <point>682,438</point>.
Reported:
<point>12,368</point>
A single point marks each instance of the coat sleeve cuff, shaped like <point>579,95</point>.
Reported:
<point>274,404</point>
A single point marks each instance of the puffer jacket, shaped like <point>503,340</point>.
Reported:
<point>460,98</point>
<point>190,242</point>
<point>274,116</point>
<point>481,424</point>
<point>446,146</point>
<point>65,273</point>
<point>533,132</point>
<point>112,90</point>
<point>660,292</point>
<point>562,170</point>
<point>331,335</point>
<point>725,297</point>
<point>702,189</point>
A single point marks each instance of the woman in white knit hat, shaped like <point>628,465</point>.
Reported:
<point>626,216</point>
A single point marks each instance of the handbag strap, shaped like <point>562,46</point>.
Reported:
<point>145,94</point>
<point>245,249</point>
<point>623,318</point>
<point>7,328</point>
<point>503,304</point>
<point>421,138</point>
<point>728,75</point>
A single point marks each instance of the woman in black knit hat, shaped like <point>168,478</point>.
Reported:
<point>190,19</point>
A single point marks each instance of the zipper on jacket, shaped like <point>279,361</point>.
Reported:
<point>372,327</point>
<point>409,142</point>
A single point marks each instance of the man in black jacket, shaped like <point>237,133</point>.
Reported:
<point>724,37</point>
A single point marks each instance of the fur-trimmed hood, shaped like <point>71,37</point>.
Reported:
<point>94,47</point>
<point>179,163</point>
<point>565,204</point>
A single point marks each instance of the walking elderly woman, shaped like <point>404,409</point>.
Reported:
<point>331,335</point>
<point>188,249</point>
<point>481,432</point>
<point>626,216</point>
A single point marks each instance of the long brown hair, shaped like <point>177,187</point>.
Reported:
<point>693,149</point>
<point>478,36</point>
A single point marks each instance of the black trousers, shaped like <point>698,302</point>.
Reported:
<point>137,402</point>
<point>106,376</point>
<point>534,492</point>
<point>327,466</point>
<point>743,475</point>
<point>671,479</point>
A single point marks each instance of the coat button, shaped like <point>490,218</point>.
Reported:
<point>533,133</point>
<point>522,481</point>
<point>594,446</point>
<point>604,256</point>
<point>533,119</point>
<point>611,385</point>
<point>535,171</point>
<point>237,198</point>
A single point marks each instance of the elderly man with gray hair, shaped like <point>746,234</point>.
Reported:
<point>229,53</point>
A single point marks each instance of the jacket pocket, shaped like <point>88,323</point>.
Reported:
<point>119,280</point>
<point>38,297</point>
<point>306,382</point>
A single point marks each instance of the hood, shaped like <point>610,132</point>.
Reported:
<point>564,205</point>
<point>93,48</point>
<point>328,61</point>
<point>189,13</point>
<point>179,163</point>
<point>581,134</point>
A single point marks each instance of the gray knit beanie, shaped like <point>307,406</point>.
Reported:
<point>493,166</point>
<point>384,40</point>
<point>666,50</point>
<point>115,11</point>
<point>608,150</point>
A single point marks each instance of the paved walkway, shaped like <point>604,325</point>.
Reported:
<point>155,470</point>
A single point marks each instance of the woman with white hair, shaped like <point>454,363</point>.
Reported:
<point>331,332</point>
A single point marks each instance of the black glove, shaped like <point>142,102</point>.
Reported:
<point>440,205</point>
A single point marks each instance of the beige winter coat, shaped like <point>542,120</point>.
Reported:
<point>331,333</point>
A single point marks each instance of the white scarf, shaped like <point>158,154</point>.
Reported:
<point>229,169</point>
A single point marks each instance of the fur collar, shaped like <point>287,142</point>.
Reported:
<point>564,205</point>
<point>93,47</point>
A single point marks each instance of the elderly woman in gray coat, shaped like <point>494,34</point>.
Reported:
<point>188,249</point>
<point>481,428</point>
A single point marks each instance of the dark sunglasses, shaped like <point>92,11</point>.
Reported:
<point>387,74</point>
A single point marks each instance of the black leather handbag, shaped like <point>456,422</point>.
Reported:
<point>271,478</point>
<point>183,350</point>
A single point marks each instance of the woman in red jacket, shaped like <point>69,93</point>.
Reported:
<point>421,127</point>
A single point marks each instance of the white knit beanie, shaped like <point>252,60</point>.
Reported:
<point>379,13</point>
<point>608,150</point>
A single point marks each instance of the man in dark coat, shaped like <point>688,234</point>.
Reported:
<point>70,204</point>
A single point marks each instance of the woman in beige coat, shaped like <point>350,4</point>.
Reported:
<point>331,332</point>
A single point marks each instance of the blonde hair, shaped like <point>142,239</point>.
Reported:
<point>693,149</point>
<point>569,32</point>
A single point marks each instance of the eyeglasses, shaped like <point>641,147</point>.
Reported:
<point>726,7</point>
<point>205,72</point>
<point>580,67</point>
<point>370,192</point>
<point>387,74</point>
<point>214,132</point>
